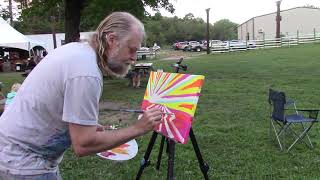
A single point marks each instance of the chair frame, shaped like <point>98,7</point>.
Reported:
<point>283,123</point>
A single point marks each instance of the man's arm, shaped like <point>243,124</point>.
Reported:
<point>87,140</point>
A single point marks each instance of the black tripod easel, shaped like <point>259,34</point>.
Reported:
<point>204,167</point>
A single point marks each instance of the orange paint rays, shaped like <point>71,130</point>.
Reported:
<point>177,78</point>
<point>197,83</point>
<point>187,106</point>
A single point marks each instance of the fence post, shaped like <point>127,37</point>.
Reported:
<point>264,40</point>
<point>246,44</point>
<point>314,35</point>
<point>297,37</point>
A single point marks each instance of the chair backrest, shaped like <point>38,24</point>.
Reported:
<point>277,100</point>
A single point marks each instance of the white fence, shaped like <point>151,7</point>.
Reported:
<point>288,41</point>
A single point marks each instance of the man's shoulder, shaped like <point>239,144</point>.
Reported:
<point>77,48</point>
<point>82,60</point>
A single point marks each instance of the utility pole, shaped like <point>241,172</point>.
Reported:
<point>278,19</point>
<point>208,34</point>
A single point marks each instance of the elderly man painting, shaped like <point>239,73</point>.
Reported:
<point>58,103</point>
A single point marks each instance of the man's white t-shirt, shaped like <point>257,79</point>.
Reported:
<point>65,87</point>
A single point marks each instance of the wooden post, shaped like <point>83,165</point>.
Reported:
<point>278,19</point>
<point>297,36</point>
<point>264,40</point>
<point>314,35</point>
<point>208,33</point>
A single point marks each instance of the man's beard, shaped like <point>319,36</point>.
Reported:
<point>117,66</point>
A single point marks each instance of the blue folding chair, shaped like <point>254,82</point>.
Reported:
<point>281,122</point>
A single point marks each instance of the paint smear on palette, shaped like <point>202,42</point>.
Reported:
<point>123,152</point>
<point>176,94</point>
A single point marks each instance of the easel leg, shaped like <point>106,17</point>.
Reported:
<point>145,161</point>
<point>171,145</point>
<point>160,153</point>
<point>203,166</point>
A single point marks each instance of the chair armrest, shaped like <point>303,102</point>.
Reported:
<point>289,102</point>
<point>313,113</point>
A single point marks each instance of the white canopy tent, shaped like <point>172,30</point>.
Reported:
<point>9,37</point>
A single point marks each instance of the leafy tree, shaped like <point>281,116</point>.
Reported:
<point>310,6</point>
<point>96,10</point>
<point>165,30</point>
<point>188,16</point>
<point>224,30</point>
<point>4,13</point>
<point>24,4</point>
<point>36,16</point>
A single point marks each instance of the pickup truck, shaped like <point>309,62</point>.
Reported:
<point>197,46</point>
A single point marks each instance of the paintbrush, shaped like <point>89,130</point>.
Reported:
<point>132,111</point>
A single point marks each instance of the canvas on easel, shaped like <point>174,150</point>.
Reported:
<point>176,95</point>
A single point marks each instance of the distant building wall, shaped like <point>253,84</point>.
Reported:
<point>267,25</point>
<point>301,19</point>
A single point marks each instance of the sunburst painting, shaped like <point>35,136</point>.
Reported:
<point>176,95</point>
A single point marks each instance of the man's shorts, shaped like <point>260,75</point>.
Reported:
<point>47,176</point>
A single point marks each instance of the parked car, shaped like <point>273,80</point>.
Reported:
<point>174,45</point>
<point>251,44</point>
<point>237,44</point>
<point>197,46</point>
<point>181,45</point>
<point>219,45</point>
<point>156,48</point>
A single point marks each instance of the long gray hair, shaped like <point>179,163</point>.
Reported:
<point>120,23</point>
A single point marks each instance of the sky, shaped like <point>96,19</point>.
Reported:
<point>237,11</point>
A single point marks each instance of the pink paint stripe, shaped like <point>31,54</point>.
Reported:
<point>184,95</point>
<point>176,82</point>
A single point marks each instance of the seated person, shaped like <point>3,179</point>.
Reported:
<point>2,99</point>
<point>30,64</point>
<point>14,89</point>
<point>1,93</point>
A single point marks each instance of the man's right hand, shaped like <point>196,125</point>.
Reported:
<point>87,140</point>
<point>149,120</point>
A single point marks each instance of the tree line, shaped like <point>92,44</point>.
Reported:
<point>73,16</point>
<point>167,30</point>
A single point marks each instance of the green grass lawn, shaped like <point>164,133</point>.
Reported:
<point>231,122</point>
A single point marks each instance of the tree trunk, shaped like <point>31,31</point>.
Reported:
<point>72,20</point>
<point>10,12</point>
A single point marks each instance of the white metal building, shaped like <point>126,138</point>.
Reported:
<point>296,21</point>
